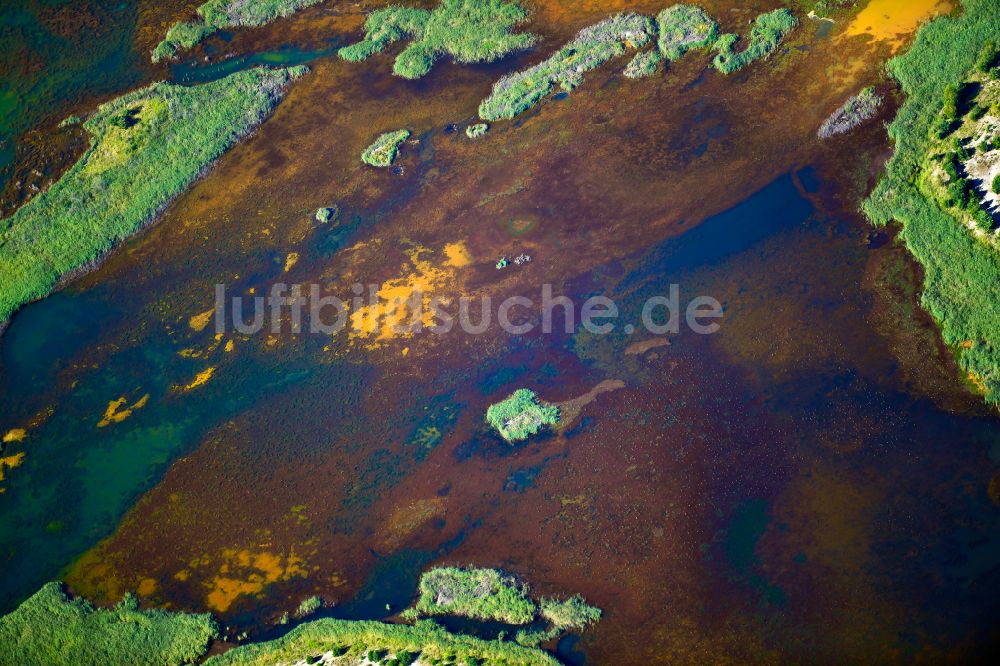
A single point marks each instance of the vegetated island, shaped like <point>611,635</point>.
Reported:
<point>492,595</point>
<point>366,643</point>
<point>766,35</point>
<point>521,415</point>
<point>219,14</point>
<point>476,130</point>
<point>675,31</point>
<point>852,113</point>
<point>50,628</point>
<point>481,594</point>
<point>383,151</point>
<point>469,31</point>
<point>326,213</point>
<point>928,189</point>
<point>146,147</point>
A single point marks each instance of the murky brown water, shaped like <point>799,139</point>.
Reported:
<point>808,483</point>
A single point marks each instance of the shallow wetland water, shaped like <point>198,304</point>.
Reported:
<point>812,480</point>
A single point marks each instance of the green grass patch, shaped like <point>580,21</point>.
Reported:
<point>50,628</point>
<point>180,37</point>
<point>220,14</point>
<point>383,151</point>
<point>146,147</point>
<point>572,613</point>
<point>683,28</point>
<point>482,594</point>
<point>521,415</point>
<point>308,606</point>
<point>592,47</point>
<point>387,643</point>
<point>469,31</point>
<point>477,130</point>
<point>645,63</point>
<point>961,273</point>
<point>767,33</point>
<point>327,213</point>
<point>676,30</point>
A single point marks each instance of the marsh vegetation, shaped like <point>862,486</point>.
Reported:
<point>961,286</point>
<point>220,14</point>
<point>676,30</point>
<point>521,415</point>
<point>146,147</point>
<point>482,594</point>
<point>382,152</point>
<point>853,112</point>
<point>468,31</point>
<point>51,628</point>
<point>766,35</point>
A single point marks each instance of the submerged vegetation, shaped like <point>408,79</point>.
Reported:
<point>383,151</point>
<point>961,269</point>
<point>854,111</point>
<point>146,147</point>
<point>481,594</point>
<point>50,628</point>
<point>218,14</point>
<point>469,31</point>
<point>767,33</point>
<point>521,415</point>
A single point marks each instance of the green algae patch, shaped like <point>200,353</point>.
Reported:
<point>961,287</point>
<point>683,28</point>
<point>592,47</point>
<point>383,151</point>
<point>50,628</point>
<point>220,14</point>
<point>480,594</point>
<point>766,35</point>
<point>146,147</point>
<point>469,31</point>
<point>521,415</point>
<point>358,642</point>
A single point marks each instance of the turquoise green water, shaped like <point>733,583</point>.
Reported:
<point>59,51</point>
